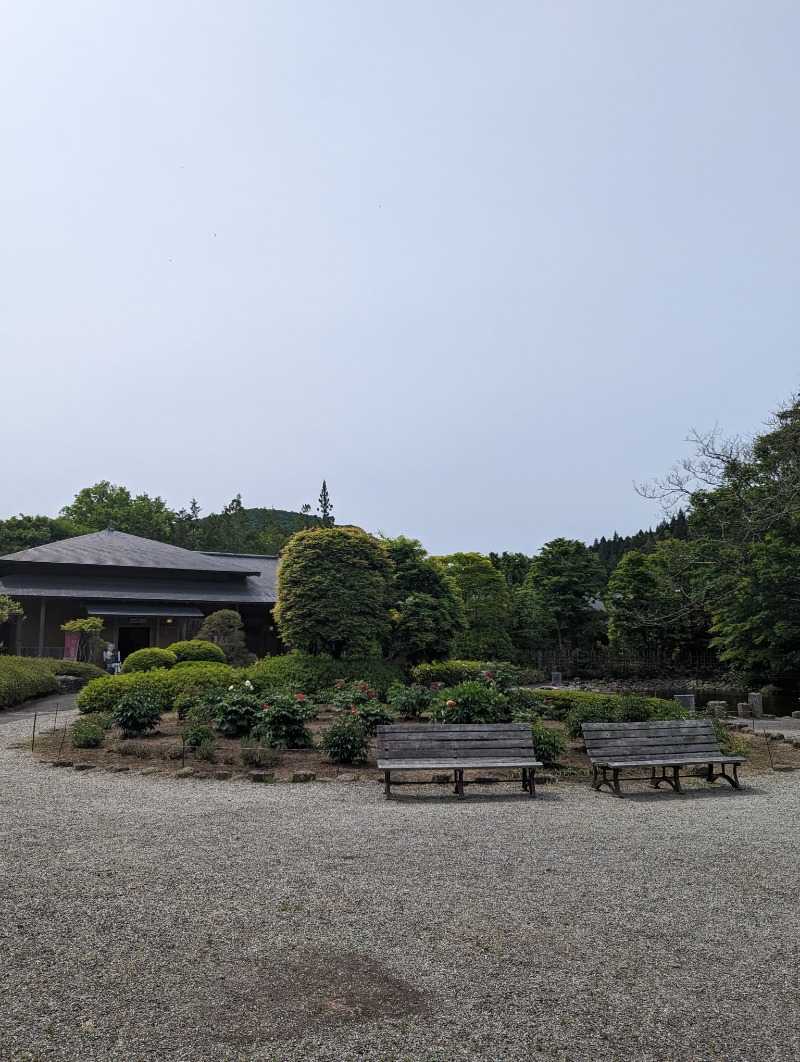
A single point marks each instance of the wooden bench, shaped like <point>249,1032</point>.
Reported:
<point>668,745</point>
<point>457,748</point>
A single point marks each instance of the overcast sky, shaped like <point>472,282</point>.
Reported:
<point>480,265</point>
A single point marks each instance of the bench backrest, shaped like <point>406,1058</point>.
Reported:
<point>437,741</point>
<point>636,741</point>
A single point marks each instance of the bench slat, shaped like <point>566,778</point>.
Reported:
<point>454,763</point>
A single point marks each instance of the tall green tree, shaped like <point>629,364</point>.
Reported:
<point>325,507</point>
<point>334,592</point>
<point>25,532</point>
<point>487,608</point>
<point>561,593</point>
<point>426,609</point>
<point>108,505</point>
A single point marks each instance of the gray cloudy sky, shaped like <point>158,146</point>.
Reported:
<point>479,264</point>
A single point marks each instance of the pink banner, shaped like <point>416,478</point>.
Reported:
<point>71,639</point>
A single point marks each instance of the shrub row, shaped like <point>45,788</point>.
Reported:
<point>317,675</point>
<point>102,694</point>
<point>23,677</point>
<point>451,672</point>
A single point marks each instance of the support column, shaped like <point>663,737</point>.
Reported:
<point>42,611</point>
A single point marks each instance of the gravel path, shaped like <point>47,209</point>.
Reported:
<point>159,919</point>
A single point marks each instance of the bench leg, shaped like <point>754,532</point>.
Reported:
<point>524,778</point>
<point>387,785</point>
<point>532,782</point>
<point>460,784</point>
<point>711,776</point>
<point>615,789</point>
<point>676,783</point>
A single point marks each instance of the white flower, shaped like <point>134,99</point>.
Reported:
<point>230,687</point>
<point>249,683</point>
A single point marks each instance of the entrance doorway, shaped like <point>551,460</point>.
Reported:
<point>131,639</point>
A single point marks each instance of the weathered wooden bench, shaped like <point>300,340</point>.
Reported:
<point>666,746</point>
<point>457,748</point>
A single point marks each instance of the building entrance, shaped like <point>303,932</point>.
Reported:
<point>131,639</point>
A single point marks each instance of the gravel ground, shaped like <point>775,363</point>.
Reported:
<point>159,919</point>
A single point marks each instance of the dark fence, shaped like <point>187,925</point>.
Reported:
<point>616,662</point>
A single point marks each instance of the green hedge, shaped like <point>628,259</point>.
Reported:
<point>148,660</point>
<point>23,677</point>
<point>73,667</point>
<point>452,672</point>
<point>557,703</point>
<point>102,694</point>
<point>197,649</point>
<point>315,675</point>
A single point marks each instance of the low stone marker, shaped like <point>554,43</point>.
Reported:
<point>186,772</point>
<point>685,700</point>
<point>717,708</point>
<point>261,776</point>
<point>303,776</point>
<point>756,705</point>
<point>223,776</point>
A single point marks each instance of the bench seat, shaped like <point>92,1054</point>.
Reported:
<point>457,748</point>
<point>668,745</point>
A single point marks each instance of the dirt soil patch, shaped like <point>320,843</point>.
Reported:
<point>163,750</point>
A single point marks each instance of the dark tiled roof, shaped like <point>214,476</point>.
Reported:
<point>257,589</point>
<point>116,549</point>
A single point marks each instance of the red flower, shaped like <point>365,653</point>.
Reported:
<point>339,685</point>
<point>299,696</point>
<point>353,709</point>
<point>265,708</point>
<point>362,686</point>
<point>372,693</point>
<point>490,674</point>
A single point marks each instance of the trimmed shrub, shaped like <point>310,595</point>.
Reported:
<point>75,668</point>
<point>148,659</point>
<point>86,734</point>
<point>136,711</point>
<point>197,649</point>
<point>549,744</point>
<point>23,677</point>
<point>317,675</point>
<point>345,740</point>
<point>452,672</point>
<point>559,702</point>
<point>282,723</point>
<point>470,702</point>
<point>103,694</point>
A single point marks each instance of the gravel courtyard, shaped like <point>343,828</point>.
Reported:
<point>159,919</point>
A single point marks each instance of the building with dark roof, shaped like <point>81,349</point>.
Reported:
<point>147,593</point>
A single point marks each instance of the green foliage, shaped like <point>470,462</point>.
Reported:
<point>410,701</point>
<point>25,532</point>
<point>548,743</point>
<point>147,660</point>
<point>470,702</point>
<point>556,703</point>
<point>282,723</point>
<point>487,607</point>
<point>89,640</point>
<point>23,677</point>
<point>137,711</point>
<point>333,592</point>
<point>87,734</point>
<point>235,710</point>
<point>197,734</point>
<point>225,629</point>
<point>345,740</point>
<point>558,593</point>
<point>426,608</point>
<point>372,715</point>
<point>75,668</point>
<point>103,694</point>
<point>10,609</point>
<point>257,753</point>
<point>101,719</point>
<point>317,675</point>
<point>197,649</point>
<point>346,695</point>
<point>107,505</point>
<point>451,672</point>
<point>599,708</point>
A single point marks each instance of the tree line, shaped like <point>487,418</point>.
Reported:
<point>721,571</point>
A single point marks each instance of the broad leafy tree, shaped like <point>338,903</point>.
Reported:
<point>561,593</point>
<point>426,609</point>
<point>107,505</point>
<point>487,608</point>
<point>25,532</point>
<point>334,592</point>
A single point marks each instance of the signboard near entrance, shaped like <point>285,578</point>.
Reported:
<point>71,640</point>
<point>138,621</point>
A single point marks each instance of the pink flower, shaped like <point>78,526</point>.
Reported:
<point>353,709</point>
<point>265,708</point>
<point>339,685</point>
<point>299,696</point>
<point>490,674</point>
<point>372,693</point>
<point>362,686</point>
